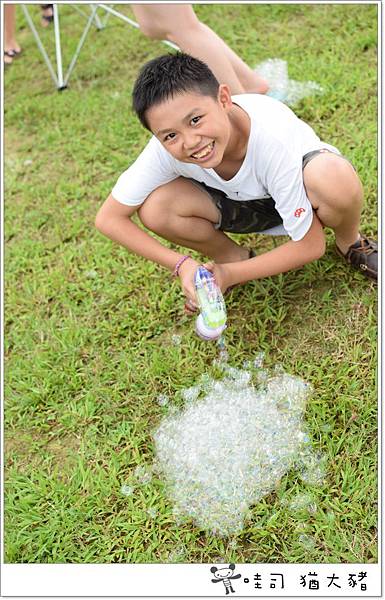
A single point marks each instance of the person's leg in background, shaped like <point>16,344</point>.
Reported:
<point>11,47</point>
<point>178,23</point>
<point>46,14</point>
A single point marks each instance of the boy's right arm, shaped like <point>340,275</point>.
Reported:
<point>114,221</point>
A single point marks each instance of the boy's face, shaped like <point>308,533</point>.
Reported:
<point>194,128</point>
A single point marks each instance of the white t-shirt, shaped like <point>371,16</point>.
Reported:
<point>272,165</point>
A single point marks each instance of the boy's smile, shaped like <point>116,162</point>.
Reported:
<point>199,129</point>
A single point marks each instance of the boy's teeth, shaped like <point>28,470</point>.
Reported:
<point>203,152</point>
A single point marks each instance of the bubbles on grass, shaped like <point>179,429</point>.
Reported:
<point>223,354</point>
<point>127,490</point>
<point>190,394</point>
<point>302,503</point>
<point>162,400</point>
<point>177,554</point>
<point>307,541</point>
<point>311,466</point>
<point>290,91</point>
<point>231,444</point>
<point>91,274</point>
<point>176,339</point>
<point>143,474</point>
<point>327,428</point>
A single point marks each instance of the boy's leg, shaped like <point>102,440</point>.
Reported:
<point>335,192</point>
<point>183,213</point>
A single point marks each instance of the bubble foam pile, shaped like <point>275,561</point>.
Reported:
<point>231,444</point>
<point>290,91</point>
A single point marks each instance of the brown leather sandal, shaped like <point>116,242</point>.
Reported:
<point>363,255</point>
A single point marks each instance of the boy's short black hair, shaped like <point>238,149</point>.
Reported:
<point>168,75</point>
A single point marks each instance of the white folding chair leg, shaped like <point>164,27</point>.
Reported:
<point>81,41</point>
<point>60,81</point>
<point>40,45</point>
<point>98,24</point>
<point>59,61</point>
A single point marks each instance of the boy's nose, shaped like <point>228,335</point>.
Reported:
<point>191,142</point>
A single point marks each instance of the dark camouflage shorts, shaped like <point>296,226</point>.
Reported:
<point>249,216</point>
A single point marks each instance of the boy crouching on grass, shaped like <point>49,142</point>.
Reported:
<point>238,164</point>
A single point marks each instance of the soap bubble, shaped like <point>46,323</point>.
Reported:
<point>307,541</point>
<point>221,342</point>
<point>176,339</point>
<point>152,512</point>
<point>311,466</point>
<point>302,503</point>
<point>91,274</point>
<point>190,394</point>
<point>296,90</point>
<point>162,399</point>
<point>177,554</point>
<point>221,453</point>
<point>127,490</point>
<point>274,71</point>
<point>258,360</point>
<point>222,359</point>
<point>143,474</point>
<point>327,428</point>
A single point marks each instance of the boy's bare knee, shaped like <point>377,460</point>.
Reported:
<point>154,213</point>
<point>331,180</point>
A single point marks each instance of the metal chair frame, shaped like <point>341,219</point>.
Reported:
<point>60,80</point>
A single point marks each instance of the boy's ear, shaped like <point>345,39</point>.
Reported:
<point>224,96</point>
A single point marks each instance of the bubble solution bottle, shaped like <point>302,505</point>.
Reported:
<point>211,321</point>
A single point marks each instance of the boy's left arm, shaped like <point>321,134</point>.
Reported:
<point>288,256</point>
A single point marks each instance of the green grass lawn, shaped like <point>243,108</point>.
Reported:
<point>89,328</point>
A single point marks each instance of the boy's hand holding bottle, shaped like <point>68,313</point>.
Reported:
<point>186,273</point>
<point>202,290</point>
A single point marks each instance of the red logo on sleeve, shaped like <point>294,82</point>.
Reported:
<point>299,212</point>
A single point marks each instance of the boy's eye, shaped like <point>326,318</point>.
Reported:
<point>195,120</point>
<point>169,136</point>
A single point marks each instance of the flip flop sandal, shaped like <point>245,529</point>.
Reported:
<point>10,54</point>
